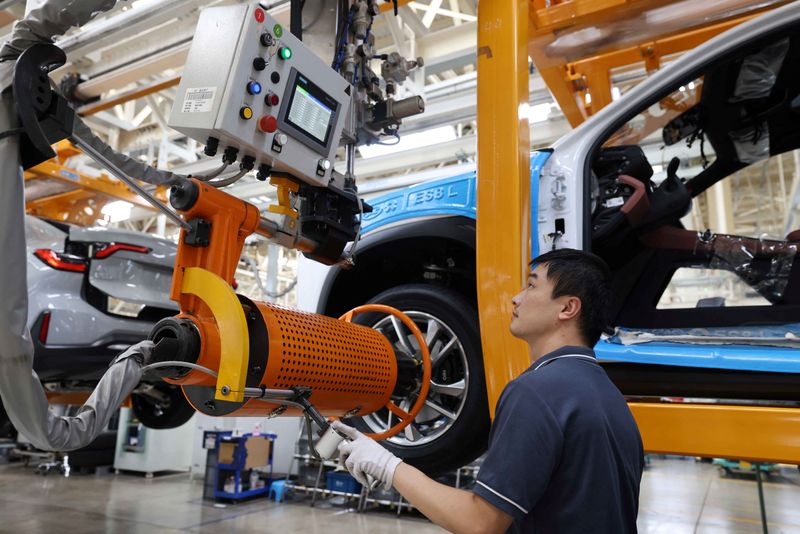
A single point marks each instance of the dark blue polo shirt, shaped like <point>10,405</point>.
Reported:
<point>565,453</point>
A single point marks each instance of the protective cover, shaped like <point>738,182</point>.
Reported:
<point>787,335</point>
<point>757,76</point>
<point>129,166</point>
<point>765,269</point>
<point>759,72</point>
<point>52,18</point>
<point>751,144</point>
<point>21,391</point>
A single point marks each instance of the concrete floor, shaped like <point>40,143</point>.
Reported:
<point>677,496</point>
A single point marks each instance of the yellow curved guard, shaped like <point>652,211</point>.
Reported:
<point>233,337</point>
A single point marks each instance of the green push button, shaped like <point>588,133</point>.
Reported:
<point>278,31</point>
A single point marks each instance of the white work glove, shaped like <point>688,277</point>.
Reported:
<point>363,456</point>
<point>141,352</point>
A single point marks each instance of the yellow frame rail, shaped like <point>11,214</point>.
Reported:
<point>715,430</point>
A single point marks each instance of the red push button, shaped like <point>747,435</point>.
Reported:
<point>267,124</point>
<point>271,99</point>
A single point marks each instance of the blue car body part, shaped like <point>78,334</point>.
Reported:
<point>456,196</point>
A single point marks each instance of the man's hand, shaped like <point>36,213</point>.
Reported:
<point>141,352</point>
<point>363,456</point>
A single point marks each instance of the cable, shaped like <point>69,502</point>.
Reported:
<point>395,134</point>
<point>340,51</point>
<point>11,132</point>
<point>254,267</point>
<point>228,181</point>
<point>195,366</point>
<point>213,174</point>
<point>348,261</point>
<point>309,429</point>
<point>310,432</point>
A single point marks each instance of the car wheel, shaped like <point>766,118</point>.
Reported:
<point>452,428</point>
<point>161,405</point>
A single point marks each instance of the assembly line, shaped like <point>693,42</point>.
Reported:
<point>531,337</point>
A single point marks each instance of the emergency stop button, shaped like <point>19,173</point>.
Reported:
<point>267,124</point>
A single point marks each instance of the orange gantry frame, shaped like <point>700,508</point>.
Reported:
<point>574,44</point>
<point>55,191</point>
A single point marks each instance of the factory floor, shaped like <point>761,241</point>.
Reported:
<point>677,496</point>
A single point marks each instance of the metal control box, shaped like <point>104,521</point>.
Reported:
<point>253,86</point>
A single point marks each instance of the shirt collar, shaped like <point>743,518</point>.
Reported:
<point>567,349</point>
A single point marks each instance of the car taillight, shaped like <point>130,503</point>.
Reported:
<point>111,248</point>
<point>44,328</point>
<point>62,262</point>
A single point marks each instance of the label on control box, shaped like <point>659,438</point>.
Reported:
<point>198,99</point>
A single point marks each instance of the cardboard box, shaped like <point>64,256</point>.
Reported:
<point>258,450</point>
<point>226,452</point>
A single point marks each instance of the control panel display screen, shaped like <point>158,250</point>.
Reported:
<point>311,110</point>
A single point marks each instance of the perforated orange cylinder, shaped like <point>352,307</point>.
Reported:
<point>351,369</point>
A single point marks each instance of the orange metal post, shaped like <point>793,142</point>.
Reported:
<point>503,225</point>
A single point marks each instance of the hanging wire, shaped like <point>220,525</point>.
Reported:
<point>394,134</point>
<point>158,365</point>
<point>213,174</point>
<point>228,181</point>
<point>254,267</point>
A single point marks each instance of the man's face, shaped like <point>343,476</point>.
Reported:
<point>535,311</point>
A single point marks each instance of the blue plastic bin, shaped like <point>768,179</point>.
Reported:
<point>339,481</point>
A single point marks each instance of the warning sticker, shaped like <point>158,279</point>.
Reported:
<point>198,99</point>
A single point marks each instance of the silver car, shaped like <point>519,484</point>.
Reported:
<point>92,294</point>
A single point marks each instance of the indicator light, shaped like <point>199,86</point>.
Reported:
<point>271,99</point>
<point>285,52</point>
<point>246,113</point>
<point>254,88</point>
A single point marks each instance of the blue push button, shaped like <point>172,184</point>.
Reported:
<point>254,88</point>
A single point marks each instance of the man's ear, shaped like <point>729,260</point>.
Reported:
<point>571,307</point>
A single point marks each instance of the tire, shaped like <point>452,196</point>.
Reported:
<point>172,413</point>
<point>443,443</point>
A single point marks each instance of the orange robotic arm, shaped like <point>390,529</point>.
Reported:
<point>267,356</point>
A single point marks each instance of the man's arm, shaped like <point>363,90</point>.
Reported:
<point>453,509</point>
<point>456,510</point>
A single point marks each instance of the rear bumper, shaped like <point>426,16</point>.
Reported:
<point>86,361</point>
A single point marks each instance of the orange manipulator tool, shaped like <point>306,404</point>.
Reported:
<point>349,369</point>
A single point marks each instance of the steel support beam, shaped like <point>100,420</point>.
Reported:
<point>127,96</point>
<point>503,216</point>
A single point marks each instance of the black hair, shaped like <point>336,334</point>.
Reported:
<point>586,276</point>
